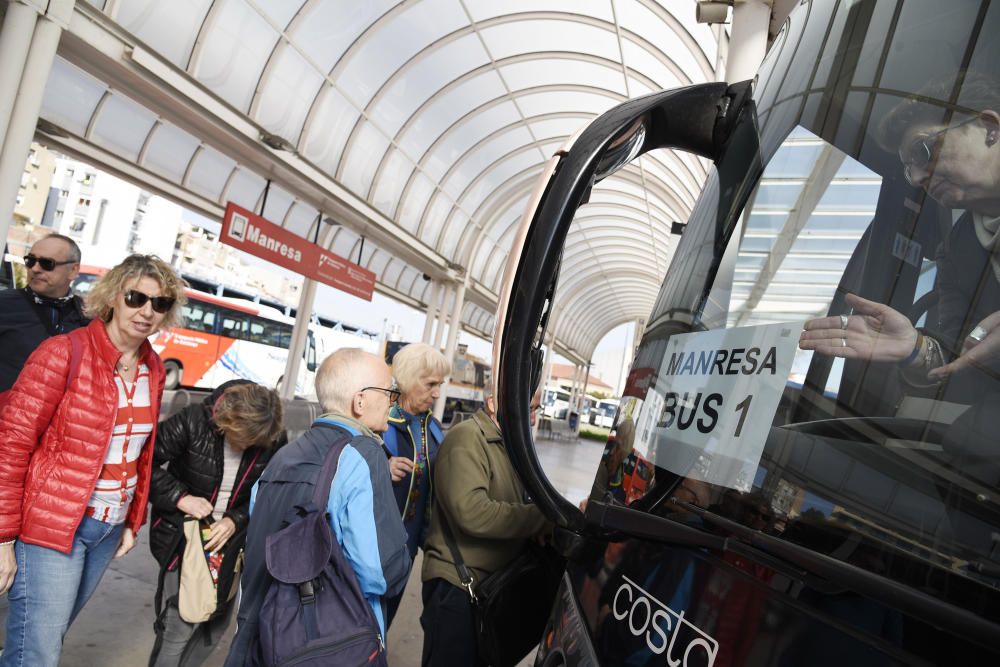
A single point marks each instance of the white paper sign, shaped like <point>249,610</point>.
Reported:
<point>719,391</point>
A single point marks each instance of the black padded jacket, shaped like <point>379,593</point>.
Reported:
<point>187,460</point>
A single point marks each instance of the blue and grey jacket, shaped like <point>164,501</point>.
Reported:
<point>416,437</point>
<point>362,513</point>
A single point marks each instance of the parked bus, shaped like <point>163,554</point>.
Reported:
<point>221,339</point>
<point>603,412</point>
<point>555,403</point>
<point>845,515</point>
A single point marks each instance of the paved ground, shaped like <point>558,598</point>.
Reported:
<point>115,629</point>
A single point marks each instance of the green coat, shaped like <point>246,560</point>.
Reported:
<point>476,486</point>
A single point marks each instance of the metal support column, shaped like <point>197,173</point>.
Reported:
<point>24,115</point>
<point>545,377</point>
<point>15,42</point>
<point>574,390</point>
<point>748,39</point>
<point>547,367</point>
<point>300,330</point>
<point>583,398</point>
<point>442,317</point>
<point>628,354</point>
<point>298,344</point>
<point>449,350</point>
<point>432,310</point>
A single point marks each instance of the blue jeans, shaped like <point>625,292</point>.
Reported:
<point>49,590</point>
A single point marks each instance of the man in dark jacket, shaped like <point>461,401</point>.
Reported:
<point>355,389</point>
<point>44,308</point>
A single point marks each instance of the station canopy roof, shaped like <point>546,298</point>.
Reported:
<point>421,126</point>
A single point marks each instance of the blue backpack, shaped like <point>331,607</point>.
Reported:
<point>313,611</point>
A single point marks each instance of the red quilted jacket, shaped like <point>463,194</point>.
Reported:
<point>53,438</point>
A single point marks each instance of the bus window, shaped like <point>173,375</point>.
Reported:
<point>258,332</point>
<point>234,324</point>
<point>283,335</point>
<point>199,316</point>
<point>269,332</point>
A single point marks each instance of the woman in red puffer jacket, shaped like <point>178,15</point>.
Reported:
<point>76,436</point>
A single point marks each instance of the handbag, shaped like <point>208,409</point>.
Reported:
<point>198,594</point>
<point>197,597</point>
<point>511,605</point>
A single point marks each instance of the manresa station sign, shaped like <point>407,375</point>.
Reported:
<point>253,234</point>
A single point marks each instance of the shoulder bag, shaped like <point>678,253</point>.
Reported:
<point>198,596</point>
<point>512,604</point>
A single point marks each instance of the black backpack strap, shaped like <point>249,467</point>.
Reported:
<point>321,489</point>
<point>320,498</point>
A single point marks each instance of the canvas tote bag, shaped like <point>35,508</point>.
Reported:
<point>197,597</point>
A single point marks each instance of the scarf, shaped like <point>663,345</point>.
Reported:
<point>58,303</point>
<point>354,423</point>
<point>56,309</point>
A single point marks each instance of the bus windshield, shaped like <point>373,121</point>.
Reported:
<point>824,355</point>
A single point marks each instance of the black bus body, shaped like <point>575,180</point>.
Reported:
<point>759,503</point>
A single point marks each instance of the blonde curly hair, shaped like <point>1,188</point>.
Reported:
<point>100,302</point>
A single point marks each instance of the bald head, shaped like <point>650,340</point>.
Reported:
<point>354,383</point>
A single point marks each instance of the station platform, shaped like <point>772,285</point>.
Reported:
<point>115,629</point>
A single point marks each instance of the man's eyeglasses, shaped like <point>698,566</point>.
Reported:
<point>921,150</point>
<point>393,394</point>
<point>137,299</point>
<point>47,263</point>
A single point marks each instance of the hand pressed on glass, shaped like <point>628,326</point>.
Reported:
<point>873,332</point>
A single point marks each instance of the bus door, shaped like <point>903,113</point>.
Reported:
<point>306,384</point>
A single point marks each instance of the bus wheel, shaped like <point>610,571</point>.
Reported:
<point>172,374</point>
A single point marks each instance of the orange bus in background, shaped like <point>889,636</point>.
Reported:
<point>222,339</point>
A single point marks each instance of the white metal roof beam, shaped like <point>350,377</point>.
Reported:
<point>105,51</point>
<point>827,164</point>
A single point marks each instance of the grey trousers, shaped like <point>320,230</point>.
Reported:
<point>186,644</point>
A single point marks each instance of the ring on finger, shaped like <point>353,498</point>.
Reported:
<point>843,321</point>
<point>977,334</point>
<point>843,342</point>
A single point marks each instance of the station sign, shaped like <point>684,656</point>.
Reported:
<point>251,233</point>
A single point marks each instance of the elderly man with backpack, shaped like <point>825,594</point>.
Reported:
<point>326,544</point>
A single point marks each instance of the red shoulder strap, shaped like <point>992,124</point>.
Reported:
<point>74,363</point>
<point>74,355</point>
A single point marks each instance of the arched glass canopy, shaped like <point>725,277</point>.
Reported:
<point>420,126</point>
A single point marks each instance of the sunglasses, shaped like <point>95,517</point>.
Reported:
<point>137,299</point>
<point>921,150</point>
<point>393,394</point>
<point>47,263</point>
